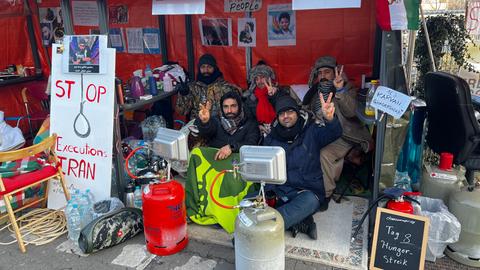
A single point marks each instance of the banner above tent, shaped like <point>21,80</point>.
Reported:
<point>175,7</point>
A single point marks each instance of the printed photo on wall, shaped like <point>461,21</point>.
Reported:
<point>118,14</point>
<point>84,54</point>
<point>281,25</point>
<point>51,23</point>
<point>247,32</point>
<point>216,32</point>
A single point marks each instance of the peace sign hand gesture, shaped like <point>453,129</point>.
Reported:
<point>204,113</point>
<point>328,108</point>
<point>338,82</point>
<point>271,90</point>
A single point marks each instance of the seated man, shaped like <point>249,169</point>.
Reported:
<point>326,79</point>
<point>227,132</point>
<point>303,193</point>
<point>261,95</point>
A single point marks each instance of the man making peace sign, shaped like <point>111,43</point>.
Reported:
<point>231,130</point>
<point>326,78</point>
<point>303,193</point>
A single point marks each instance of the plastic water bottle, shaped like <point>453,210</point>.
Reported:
<point>369,110</point>
<point>137,195</point>
<point>73,223</point>
<point>90,196</point>
<point>73,200</point>
<point>85,209</point>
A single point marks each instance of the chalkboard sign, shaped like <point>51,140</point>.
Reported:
<point>399,240</point>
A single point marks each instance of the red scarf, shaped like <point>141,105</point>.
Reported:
<point>265,111</point>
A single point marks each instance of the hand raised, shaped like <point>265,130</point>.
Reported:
<point>204,113</point>
<point>338,82</point>
<point>271,90</point>
<point>328,108</point>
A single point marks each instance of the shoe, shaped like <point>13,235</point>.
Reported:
<point>306,226</point>
<point>324,206</point>
<point>294,230</point>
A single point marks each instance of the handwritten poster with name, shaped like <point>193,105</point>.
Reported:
<point>242,5</point>
<point>82,116</point>
<point>399,240</point>
<point>390,101</point>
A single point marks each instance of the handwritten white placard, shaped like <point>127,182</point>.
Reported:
<point>82,116</point>
<point>242,5</point>
<point>324,4</point>
<point>390,101</point>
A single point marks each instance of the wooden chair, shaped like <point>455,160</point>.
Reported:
<point>18,183</point>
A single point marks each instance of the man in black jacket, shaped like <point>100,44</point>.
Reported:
<point>231,130</point>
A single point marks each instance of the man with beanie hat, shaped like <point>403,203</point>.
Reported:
<point>328,79</point>
<point>209,86</point>
<point>303,193</point>
<point>262,93</point>
<point>229,131</point>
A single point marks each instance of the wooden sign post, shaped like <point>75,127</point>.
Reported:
<point>399,241</point>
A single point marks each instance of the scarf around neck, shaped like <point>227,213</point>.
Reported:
<point>288,134</point>
<point>264,111</point>
<point>231,125</point>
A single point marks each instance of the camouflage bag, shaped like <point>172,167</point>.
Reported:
<point>111,229</point>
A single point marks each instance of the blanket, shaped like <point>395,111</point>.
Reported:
<point>228,190</point>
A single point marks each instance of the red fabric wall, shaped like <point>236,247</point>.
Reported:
<point>347,34</point>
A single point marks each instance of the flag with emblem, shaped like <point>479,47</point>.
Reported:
<point>398,14</point>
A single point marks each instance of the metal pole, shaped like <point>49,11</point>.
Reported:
<point>248,51</point>
<point>67,16</point>
<point>33,41</point>
<point>102,17</point>
<point>411,52</point>
<point>427,36</point>
<point>163,39</point>
<point>190,56</point>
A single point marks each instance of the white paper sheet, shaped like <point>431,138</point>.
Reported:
<point>85,13</point>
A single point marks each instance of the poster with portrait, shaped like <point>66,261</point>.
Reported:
<point>83,54</point>
<point>118,14</point>
<point>216,32</point>
<point>51,24</point>
<point>281,25</point>
<point>247,32</point>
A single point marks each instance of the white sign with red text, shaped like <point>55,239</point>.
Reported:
<point>82,115</point>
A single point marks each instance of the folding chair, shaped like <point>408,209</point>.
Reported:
<point>18,182</point>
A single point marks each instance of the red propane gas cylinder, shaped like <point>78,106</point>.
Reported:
<point>164,218</point>
<point>400,206</point>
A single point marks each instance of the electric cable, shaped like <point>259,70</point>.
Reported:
<point>82,103</point>
<point>45,225</point>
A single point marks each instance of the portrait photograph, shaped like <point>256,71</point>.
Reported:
<point>247,32</point>
<point>216,32</point>
<point>281,25</point>
<point>84,54</point>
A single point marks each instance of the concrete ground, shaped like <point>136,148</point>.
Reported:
<point>198,255</point>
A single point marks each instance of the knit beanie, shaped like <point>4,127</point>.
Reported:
<point>207,59</point>
<point>285,103</point>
